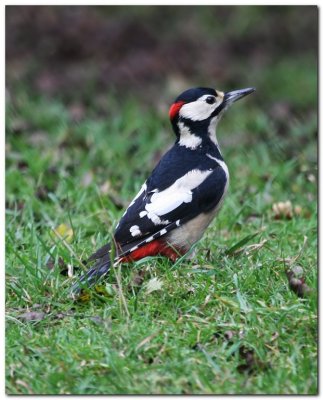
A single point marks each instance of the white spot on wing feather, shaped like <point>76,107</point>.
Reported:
<point>135,231</point>
<point>155,219</point>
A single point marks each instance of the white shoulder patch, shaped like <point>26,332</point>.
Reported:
<point>143,188</point>
<point>174,196</point>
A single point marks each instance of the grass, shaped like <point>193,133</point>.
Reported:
<point>225,323</point>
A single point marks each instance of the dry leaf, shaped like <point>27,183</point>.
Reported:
<point>296,281</point>
<point>250,362</point>
<point>19,125</point>
<point>311,178</point>
<point>32,316</point>
<point>274,336</point>
<point>101,289</point>
<point>146,340</point>
<point>87,179</point>
<point>105,187</point>
<point>38,138</point>
<point>298,210</point>
<point>153,285</point>
<point>207,299</point>
<point>137,278</point>
<point>60,262</point>
<point>24,384</point>
<point>64,232</point>
<point>283,210</point>
<point>84,297</point>
<point>228,335</point>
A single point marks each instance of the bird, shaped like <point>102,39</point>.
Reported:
<point>183,194</point>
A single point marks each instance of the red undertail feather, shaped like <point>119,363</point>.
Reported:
<point>157,247</point>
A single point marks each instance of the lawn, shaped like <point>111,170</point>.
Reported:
<point>241,317</point>
<point>226,322</point>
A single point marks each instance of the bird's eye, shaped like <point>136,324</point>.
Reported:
<point>210,99</point>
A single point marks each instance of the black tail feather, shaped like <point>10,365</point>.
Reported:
<point>104,255</point>
<point>103,251</point>
<point>93,275</point>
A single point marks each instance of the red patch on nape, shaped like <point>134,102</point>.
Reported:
<point>174,109</point>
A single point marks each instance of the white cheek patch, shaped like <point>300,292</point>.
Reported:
<point>199,110</point>
<point>174,196</point>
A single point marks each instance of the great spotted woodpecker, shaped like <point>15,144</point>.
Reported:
<point>184,192</point>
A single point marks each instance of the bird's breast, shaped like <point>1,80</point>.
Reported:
<point>192,231</point>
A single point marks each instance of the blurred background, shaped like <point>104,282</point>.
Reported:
<point>80,52</point>
<point>88,91</point>
<point>76,76</point>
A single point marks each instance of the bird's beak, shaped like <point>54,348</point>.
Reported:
<point>231,97</point>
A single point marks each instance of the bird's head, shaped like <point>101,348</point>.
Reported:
<point>199,109</point>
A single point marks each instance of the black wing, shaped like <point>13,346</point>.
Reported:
<point>137,226</point>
